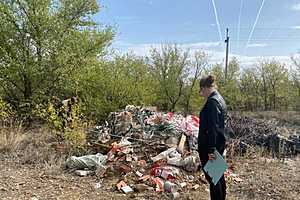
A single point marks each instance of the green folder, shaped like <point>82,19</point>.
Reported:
<point>216,168</point>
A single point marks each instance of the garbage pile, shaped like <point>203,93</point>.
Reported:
<point>148,150</point>
<point>143,123</point>
<point>154,151</point>
<point>249,132</point>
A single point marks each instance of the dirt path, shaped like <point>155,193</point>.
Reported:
<point>262,179</point>
<point>268,179</point>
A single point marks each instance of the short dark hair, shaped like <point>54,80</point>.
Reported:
<point>208,81</point>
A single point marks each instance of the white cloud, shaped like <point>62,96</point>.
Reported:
<point>141,49</point>
<point>258,45</point>
<point>295,27</point>
<point>247,61</point>
<point>144,48</point>
<point>201,45</point>
<point>214,50</point>
<point>296,7</point>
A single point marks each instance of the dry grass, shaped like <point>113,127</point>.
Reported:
<point>10,138</point>
<point>267,178</point>
<point>283,117</point>
<point>39,146</point>
<point>34,147</point>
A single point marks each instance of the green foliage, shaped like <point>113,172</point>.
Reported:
<point>190,100</point>
<point>295,76</point>
<point>65,118</point>
<point>250,87</point>
<point>43,44</point>
<point>229,87</point>
<point>110,85</point>
<point>55,48</point>
<point>265,86</point>
<point>274,78</point>
<point>75,139</point>
<point>63,115</point>
<point>6,112</point>
<point>231,90</point>
<point>169,68</point>
<point>54,119</point>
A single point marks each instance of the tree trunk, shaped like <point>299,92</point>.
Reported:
<point>27,89</point>
<point>265,100</point>
<point>187,107</point>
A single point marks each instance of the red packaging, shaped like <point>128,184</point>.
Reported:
<point>163,173</point>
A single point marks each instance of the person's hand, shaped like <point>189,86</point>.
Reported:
<point>211,156</point>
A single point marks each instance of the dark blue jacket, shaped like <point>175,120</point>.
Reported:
<point>212,124</point>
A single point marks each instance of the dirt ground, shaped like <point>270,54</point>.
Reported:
<point>263,178</point>
<point>33,172</point>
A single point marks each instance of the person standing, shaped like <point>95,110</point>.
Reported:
<point>211,134</point>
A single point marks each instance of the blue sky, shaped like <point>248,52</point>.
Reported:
<point>142,24</point>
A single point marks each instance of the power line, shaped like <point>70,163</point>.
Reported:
<point>271,39</point>
<point>268,28</point>
<point>227,49</point>
<point>239,24</point>
<point>254,25</point>
<point>217,20</point>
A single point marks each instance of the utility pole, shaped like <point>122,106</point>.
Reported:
<point>226,58</point>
